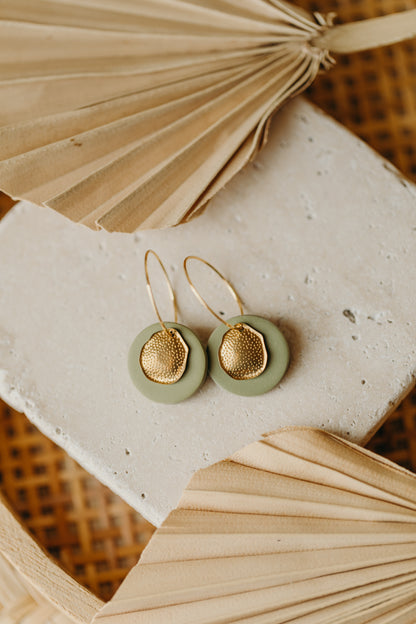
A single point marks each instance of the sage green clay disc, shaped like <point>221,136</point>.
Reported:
<point>277,362</point>
<point>191,380</point>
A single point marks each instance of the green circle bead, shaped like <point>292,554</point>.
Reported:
<point>277,362</point>
<point>192,379</point>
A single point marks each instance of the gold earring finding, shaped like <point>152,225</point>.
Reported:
<point>230,287</point>
<point>150,290</point>
<point>164,356</point>
<point>242,353</point>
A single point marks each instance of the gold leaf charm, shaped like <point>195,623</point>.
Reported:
<point>242,353</point>
<point>164,356</point>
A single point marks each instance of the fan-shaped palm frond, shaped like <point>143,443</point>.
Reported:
<point>302,527</point>
<point>126,114</point>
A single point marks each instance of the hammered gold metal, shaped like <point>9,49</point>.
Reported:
<point>242,353</point>
<point>164,356</point>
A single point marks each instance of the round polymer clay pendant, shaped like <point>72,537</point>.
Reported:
<point>250,358</point>
<point>167,366</point>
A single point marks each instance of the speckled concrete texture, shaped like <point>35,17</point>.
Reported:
<point>318,235</point>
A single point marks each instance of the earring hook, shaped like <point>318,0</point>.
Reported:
<point>199,296</point>
<point>150,291</point>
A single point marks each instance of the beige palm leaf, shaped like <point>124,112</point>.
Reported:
<point>127,114</point>
<point>301,527</point>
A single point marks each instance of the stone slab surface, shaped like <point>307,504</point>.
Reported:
<point>318,235</point>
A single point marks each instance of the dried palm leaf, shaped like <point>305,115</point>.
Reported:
<point>20,602</point>
<point>126,114</point>
<point>301,527</point>
<point>33,588</point>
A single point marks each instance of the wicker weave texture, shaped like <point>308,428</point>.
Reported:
<point>95,535</point>
<point>372,93</point>
<point>397,437</point>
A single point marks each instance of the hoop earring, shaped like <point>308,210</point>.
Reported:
<point>247,355</point>
<point>167,362</point>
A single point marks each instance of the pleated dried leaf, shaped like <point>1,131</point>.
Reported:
<point>302,527</point>
<point>132,114</point>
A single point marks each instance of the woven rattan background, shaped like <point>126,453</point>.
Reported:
<point>373,93</point>
<point>93,533</point>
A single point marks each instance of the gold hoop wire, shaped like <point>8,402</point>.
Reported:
<point>150,291</point>
<point>199,296</point>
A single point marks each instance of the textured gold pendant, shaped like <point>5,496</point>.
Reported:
<point>164,356</point>
<point>242,353</point>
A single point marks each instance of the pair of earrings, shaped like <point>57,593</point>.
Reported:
<point>246,355</point>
